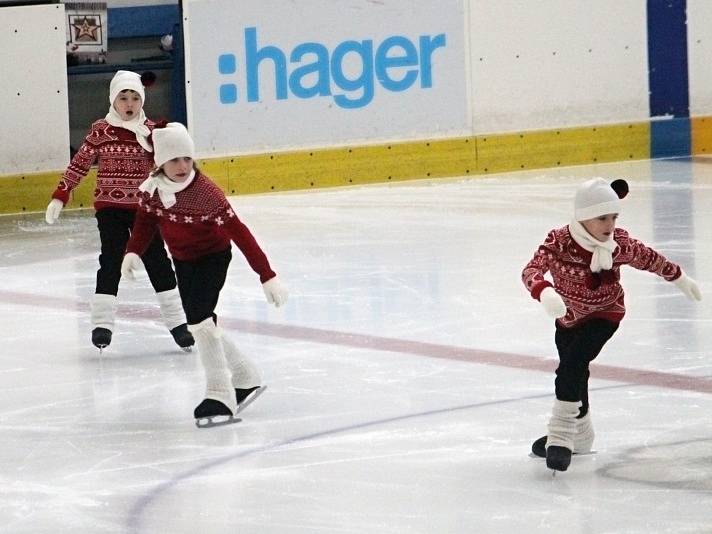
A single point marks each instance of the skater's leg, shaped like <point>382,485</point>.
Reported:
<point>103,311</point>
<point>174,317</point>
<point>199,284</point>
<point>114,226</point>
<point>217,375</point>
<point>575,352</point>
<point>113,234</point>
<point>577,347</point>
<point>246,377</point>
<point>560,436</point>
<point>584,436</point>
<point>244,372</point>
<point>163,279</point>
<point>171,308</point>
<point>158,266</point>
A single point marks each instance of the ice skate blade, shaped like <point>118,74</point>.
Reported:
<point>537,457</point>
<point>250,399</point>
<point>187,349</point>
<point>216,420</point>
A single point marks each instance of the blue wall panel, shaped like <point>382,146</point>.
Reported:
<point>143,21</point>
<point>670,138</point>
<point>667,58</point>
<point>668,77</point>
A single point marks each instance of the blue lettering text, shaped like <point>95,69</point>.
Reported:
<point>350,73</point>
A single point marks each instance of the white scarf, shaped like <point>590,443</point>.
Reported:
<point>135,125</point>
<point>602,258</point>
<point>167,188</point>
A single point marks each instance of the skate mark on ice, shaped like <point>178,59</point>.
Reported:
<point>140,508</point>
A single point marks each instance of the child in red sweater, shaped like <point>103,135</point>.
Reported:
<point>121,144</point>
<point>198,225</point>
<point>586,299</point>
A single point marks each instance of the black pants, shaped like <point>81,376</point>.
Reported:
<point>199,284</point>
<point>114,230</point>
<point>578,347</point>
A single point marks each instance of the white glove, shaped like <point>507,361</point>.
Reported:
<point>552,302</point>
<point>53,209</point>
<point>275,292</point>
<point>688,286</point>
<point>132,263</point>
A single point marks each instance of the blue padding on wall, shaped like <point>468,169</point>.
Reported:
<point>667,58</point>
<point>144,21</point>
<point>670,138</point>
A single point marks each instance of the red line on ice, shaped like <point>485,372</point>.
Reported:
<point>385,344</point>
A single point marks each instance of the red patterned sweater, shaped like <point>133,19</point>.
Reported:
<point>201,222</point>
<point>123,165</point>
<point>587,294</point>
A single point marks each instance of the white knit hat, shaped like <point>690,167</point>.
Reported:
<point>123,80</point>
<point>596,197</point>
<point>170,142</point>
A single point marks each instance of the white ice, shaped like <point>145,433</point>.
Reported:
<point>408,374</point>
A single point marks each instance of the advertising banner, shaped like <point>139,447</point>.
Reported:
<point>264,75</point>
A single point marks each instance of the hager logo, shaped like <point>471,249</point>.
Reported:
<point>312,70</point>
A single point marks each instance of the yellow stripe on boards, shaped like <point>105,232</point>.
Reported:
<point>701,135</point>
<point>359,165</point>
<point>562,147</point>
<point>345,166</point>
<point>28,193</point>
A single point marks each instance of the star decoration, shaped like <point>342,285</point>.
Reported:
<point>85,29</point>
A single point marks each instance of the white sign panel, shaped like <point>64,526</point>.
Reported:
<point>274,75</point>
<point>34,136</point>
<point>558,63</point>
<point>699,47</point>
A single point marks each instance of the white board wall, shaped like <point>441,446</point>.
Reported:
<point>507,65</point>
<point>699,50</point>
<point>33,89</point>
<point>557,63</point>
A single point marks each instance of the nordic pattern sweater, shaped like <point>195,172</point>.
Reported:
<point>123,166</point>
<point>588,295</point>
<point>201,222</point>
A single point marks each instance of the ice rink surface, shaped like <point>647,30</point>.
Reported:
<point>408,374</point>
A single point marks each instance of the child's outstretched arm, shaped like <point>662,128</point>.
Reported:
<point>73,175</point>
<point>645,258</point>
<point>275,292</point>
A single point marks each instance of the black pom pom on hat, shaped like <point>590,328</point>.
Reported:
<point>148,78</point>
<point>620,186</point>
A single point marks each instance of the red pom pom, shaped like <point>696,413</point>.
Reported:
<point>148,79</point>
<point>620,186</point>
